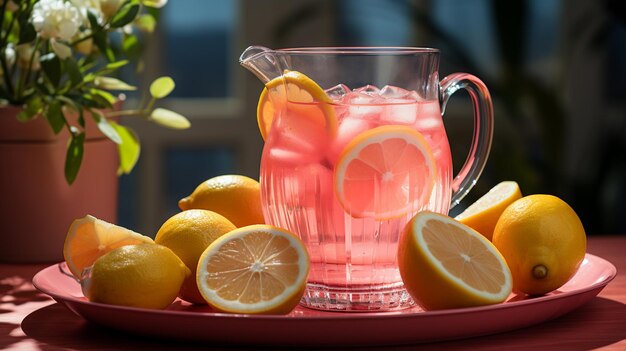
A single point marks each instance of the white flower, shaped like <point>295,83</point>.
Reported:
<point>110,7</point>
<point>85,6</point>
<point>24,53</point>
<point>56,19</point>
<point>9,54</point>
<point>63,51</point>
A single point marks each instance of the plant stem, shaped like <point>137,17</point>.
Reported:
<point>4,7</point>
<point>6,36</point>
<point>135,113</point>
<point>151,104</point>
<point>89,36</point>
<point>24,79</point>
<point>6,75</point>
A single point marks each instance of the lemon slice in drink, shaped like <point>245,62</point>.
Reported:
<point>89,238</point>
<point>483,214</point>
<point>446,264</point>
<point>385,172</point>
<point>300,89</point>
<point>258,269</point>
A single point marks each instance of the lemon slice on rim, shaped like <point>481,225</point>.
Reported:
<point>299,89</point>
<point>385,172</point>
<point>446,264</point>
<point>258,269</point>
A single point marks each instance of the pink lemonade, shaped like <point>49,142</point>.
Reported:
<point>349,253</point>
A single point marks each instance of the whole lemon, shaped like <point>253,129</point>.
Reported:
<point>235,197</point>
<point>543,242</point>
<point>143,275</point>
<point>188,234</point>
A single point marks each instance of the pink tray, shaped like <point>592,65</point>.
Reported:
<point>305,327</point>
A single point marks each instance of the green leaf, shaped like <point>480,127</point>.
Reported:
<point>169,119</point>
<point>33,107</point>
<point>94,101</point>
<point>89,77</point>
<point>110,99</point>
<point>130,45</point>
<point>162,87</point>
<point>125,15</point>
<point>73,72</point>
<point>110,83</point>
<point>154,3</point>
<point>81,117</point>
<point>102,42</point>
<point>93,21</point>
<point>106,128</point>
<point>52,67</point>
<point>128,150</point>
<point>74,156</point>
<point>27,33</point>
<point>116,65</point>
<point>146,23</point>
<point>55,117</point>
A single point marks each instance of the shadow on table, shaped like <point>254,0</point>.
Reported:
<point>15,291</point>
<point>601,321</point>
<point>18,290</point>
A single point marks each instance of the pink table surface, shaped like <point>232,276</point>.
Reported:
<point>30,320</point>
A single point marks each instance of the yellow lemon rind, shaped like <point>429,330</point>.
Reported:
<point>419,268</point>
<point>101,228</point>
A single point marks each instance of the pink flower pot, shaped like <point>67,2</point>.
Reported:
<point>38,205</point>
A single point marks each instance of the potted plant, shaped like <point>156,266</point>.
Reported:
<point>61,143</point>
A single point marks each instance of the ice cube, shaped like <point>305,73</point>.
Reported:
<point>413,95</point>
<point>401,113</point>
<point>357,98</point>
<point>391,92</point>
<point>348,129</point>
<point>368,89</point>
<point>429,116</point>
<point>430,108</point>
<point>363,106</point>
<point>337,92</point>
<point>428,123</point>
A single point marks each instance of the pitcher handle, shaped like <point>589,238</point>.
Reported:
<point>483,130</point>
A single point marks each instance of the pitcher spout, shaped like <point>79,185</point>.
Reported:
<point>262,62</point>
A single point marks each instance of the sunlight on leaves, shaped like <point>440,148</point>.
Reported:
<point>162,87</point>
<point>169,119</point>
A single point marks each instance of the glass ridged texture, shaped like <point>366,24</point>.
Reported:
<point>353,251</point>
<point>352,258</point>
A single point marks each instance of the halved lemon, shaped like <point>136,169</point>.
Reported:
<point>483,214</point>
<point>88,238</point>
<point>300,89</point>
<point>385,172</point>
<point>258,269</point>
<point>446,264</point>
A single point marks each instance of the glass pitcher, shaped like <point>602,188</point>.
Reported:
<point>355,146</point>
